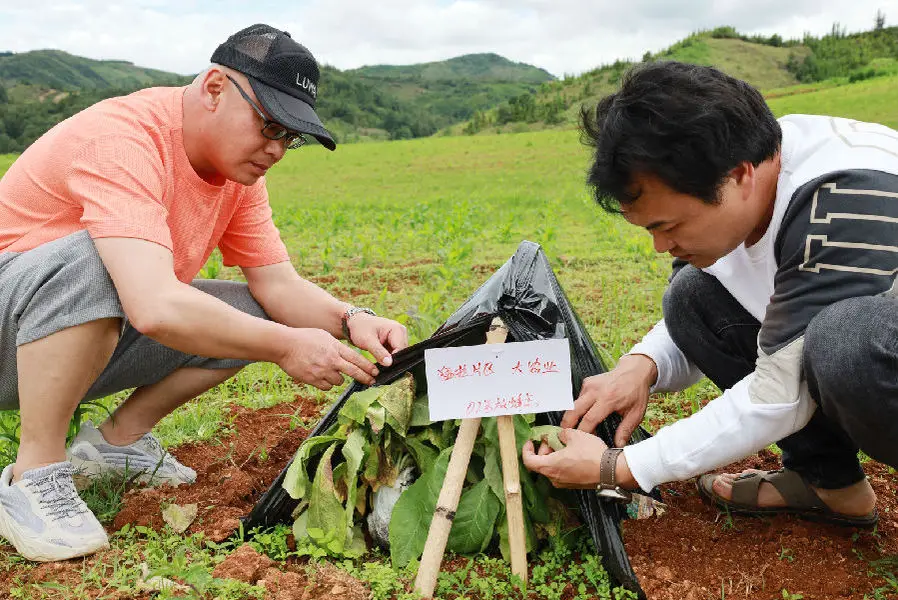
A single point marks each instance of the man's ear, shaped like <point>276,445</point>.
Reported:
<point>212,86</point>
<point>744,177</point>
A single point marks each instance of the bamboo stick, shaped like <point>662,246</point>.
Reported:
<point>438,534</point>
<point>514,505</point>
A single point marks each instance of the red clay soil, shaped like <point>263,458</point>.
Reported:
<point>690,553</point>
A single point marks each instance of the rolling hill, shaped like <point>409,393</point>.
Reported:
<point>40,88</point>
<point>767,63</point>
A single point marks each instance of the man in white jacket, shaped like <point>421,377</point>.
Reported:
<point>785,239</point>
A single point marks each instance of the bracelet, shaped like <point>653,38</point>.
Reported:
<point>344,320</point>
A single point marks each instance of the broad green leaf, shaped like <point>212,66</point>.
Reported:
<point>413,513</point>
<point>430,434</point>
<point>397,398</point>
<point>420,412</point>
<point>301,527</point>
<point>536,491</point>
<point>423,453</point>
<point>356,406</point>
<point>296,482</point>
<point>492,472</point>
<point>521,431</point>
<point>550,433</point>
<point>326,512</point>
<point>502,528</point>
<point>475,519</point>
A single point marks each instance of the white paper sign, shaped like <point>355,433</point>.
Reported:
<point>498,379</point>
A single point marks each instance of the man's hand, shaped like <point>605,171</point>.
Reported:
<point>623,390</point>
<point>381,337</point>
<point>316,357</point>
<point>574,466</point>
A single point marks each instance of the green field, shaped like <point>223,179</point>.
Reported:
<point>873,100</point>
<point>412,228</point>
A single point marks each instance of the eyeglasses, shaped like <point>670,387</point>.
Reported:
<point>271,129</point>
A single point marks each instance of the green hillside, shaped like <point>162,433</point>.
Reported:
<point>58,70</point>
<point>487,67</point>
<point>767,63</point>
<point>38,89</point>
<point>873,100</point>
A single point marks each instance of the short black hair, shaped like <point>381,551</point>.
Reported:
<point>687,125</point>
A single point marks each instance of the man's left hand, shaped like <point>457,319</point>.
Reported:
<point>381,337</point>
<point>574,466</point>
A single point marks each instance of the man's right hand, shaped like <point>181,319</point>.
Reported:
<point>623,390</point>
<point>316,357</point>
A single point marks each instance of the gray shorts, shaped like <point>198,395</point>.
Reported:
<point>64,283</point>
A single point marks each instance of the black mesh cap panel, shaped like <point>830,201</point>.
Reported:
<point>281,71</point>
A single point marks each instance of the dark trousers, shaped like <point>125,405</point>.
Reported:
<point>850,363</point>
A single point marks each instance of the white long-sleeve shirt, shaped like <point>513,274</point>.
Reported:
<point>833,235</point>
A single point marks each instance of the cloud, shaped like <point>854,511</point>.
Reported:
<point>562,36</point>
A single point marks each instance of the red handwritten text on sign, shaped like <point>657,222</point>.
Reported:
<point>480,408</point>
<point>479,369</point>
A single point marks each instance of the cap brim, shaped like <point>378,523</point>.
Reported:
<point>292,113</point>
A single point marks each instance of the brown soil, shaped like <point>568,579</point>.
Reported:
<point>695,552</point>
<point>299,583</point>
<point>690,553</point>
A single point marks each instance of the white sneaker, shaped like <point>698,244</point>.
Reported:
<point>43,516</point>
<point>92,455</point>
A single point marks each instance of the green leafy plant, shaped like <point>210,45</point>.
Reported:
<point>383,432</point>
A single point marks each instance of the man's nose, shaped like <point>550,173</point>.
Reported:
<point>662,242</point>
<point>276,149</point>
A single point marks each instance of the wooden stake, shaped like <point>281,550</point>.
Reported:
<point>450,493</point>
<point>514,505</point>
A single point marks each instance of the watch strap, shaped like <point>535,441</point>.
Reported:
<point>344,320</point>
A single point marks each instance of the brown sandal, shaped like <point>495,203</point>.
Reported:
<point>801,500</point>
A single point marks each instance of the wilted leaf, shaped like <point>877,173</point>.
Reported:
<point>397,398</point>
<point>475,520</point>
<point>296,482</point>
<point>420,412</point>
<point>326,513</point>
<point>377,416</point>
<point>179,517</point>
<point>354,452</point>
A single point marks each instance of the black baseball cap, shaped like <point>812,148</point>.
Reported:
<point>283,74</point>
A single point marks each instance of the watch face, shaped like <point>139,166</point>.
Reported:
<point>616,494</point>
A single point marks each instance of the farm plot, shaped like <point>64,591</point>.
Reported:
<point>411,229</point>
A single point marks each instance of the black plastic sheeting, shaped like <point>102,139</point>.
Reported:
<point>526,295</point>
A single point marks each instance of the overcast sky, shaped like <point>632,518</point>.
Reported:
<point>561,36</point>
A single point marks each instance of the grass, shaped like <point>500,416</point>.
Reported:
<point>411,229</point>
<point>870,100</point>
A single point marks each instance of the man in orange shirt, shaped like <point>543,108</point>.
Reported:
<point>104,223</point>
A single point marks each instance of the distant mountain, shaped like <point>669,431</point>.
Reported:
<point>771,64</point>
<point>58,70</point>
<point>487,67</point>
<point>40,88</point>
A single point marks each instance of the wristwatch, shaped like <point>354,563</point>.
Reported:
<point>608,487</point>
<point>344,320</point>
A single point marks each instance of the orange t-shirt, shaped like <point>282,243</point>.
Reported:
<point>119,169</point>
